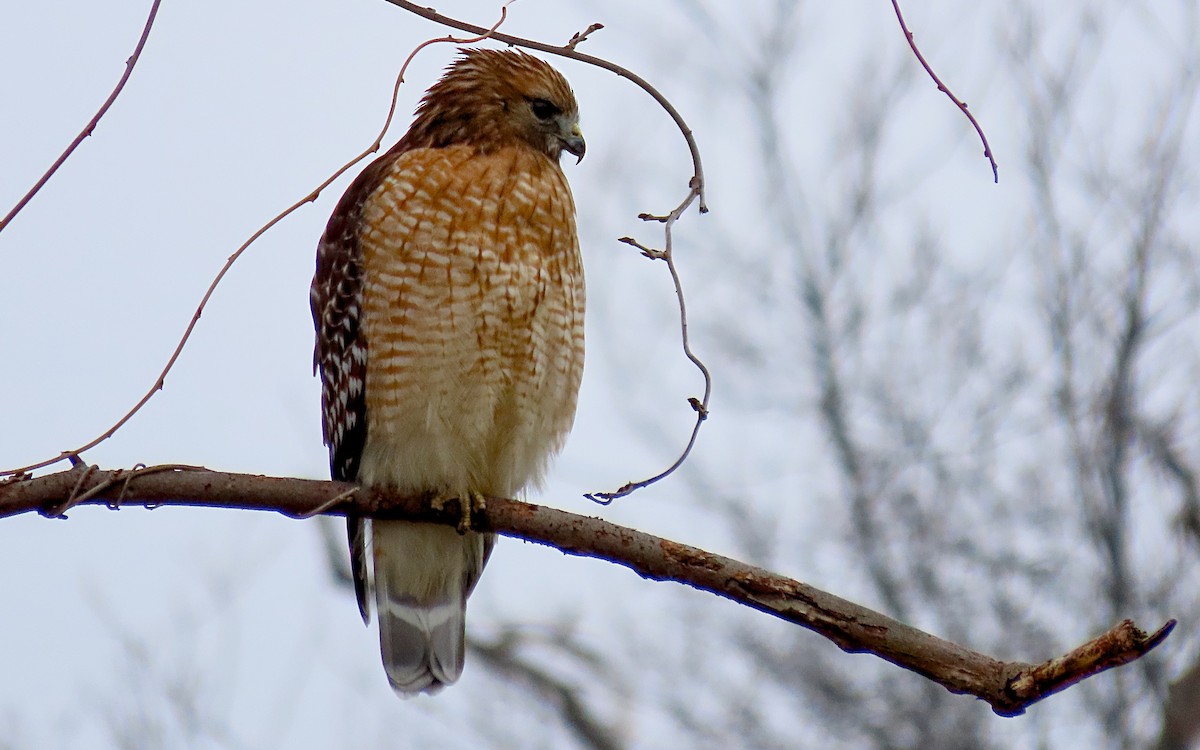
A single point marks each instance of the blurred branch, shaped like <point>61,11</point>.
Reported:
<point>1158,439</point>
<point>1009,687</point>
<point>1181,715</point>
<point>91,126</point>
<point>501,655</point>
<point>850,459</point>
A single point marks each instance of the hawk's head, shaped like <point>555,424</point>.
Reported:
<point>494,98</point>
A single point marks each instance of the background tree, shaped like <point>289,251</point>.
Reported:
<point>965,390</point>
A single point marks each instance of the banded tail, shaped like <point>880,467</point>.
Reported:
<point>423,576</point>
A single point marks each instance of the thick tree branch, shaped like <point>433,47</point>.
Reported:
<point>1009,687</point>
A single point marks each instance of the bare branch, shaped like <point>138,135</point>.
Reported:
<point>1009,687</point>
<point>700,406</point>
<point>908,35</point>
<point>91,126</point>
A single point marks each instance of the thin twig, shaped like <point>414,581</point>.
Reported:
<point>120,476</point>
<point>91,126</point>
<point>699,405</point>
<point>908,35</point>
<point>312,196</point>
<point>84,472</point>
<point>331,503</point>
<point>1009,687</point>
<point>581,36</point>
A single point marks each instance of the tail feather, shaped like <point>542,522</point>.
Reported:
<point>356,533</point>
<point>423,574</point>
<point>422,646</point>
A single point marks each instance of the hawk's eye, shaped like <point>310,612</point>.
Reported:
<point>544,109</point>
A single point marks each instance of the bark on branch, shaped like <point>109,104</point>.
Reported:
<point>1009,687</point>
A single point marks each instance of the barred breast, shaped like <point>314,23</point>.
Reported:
<point>473,313</point>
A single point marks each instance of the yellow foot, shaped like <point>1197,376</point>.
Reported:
<point>475,501</point>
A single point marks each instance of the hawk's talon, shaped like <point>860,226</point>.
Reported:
<point>474,501</point>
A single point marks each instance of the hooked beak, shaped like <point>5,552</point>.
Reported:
<point>574,143</point>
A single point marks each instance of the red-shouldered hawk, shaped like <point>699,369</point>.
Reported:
<point>448,302</point>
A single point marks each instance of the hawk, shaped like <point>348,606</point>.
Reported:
<point>448,304</point>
